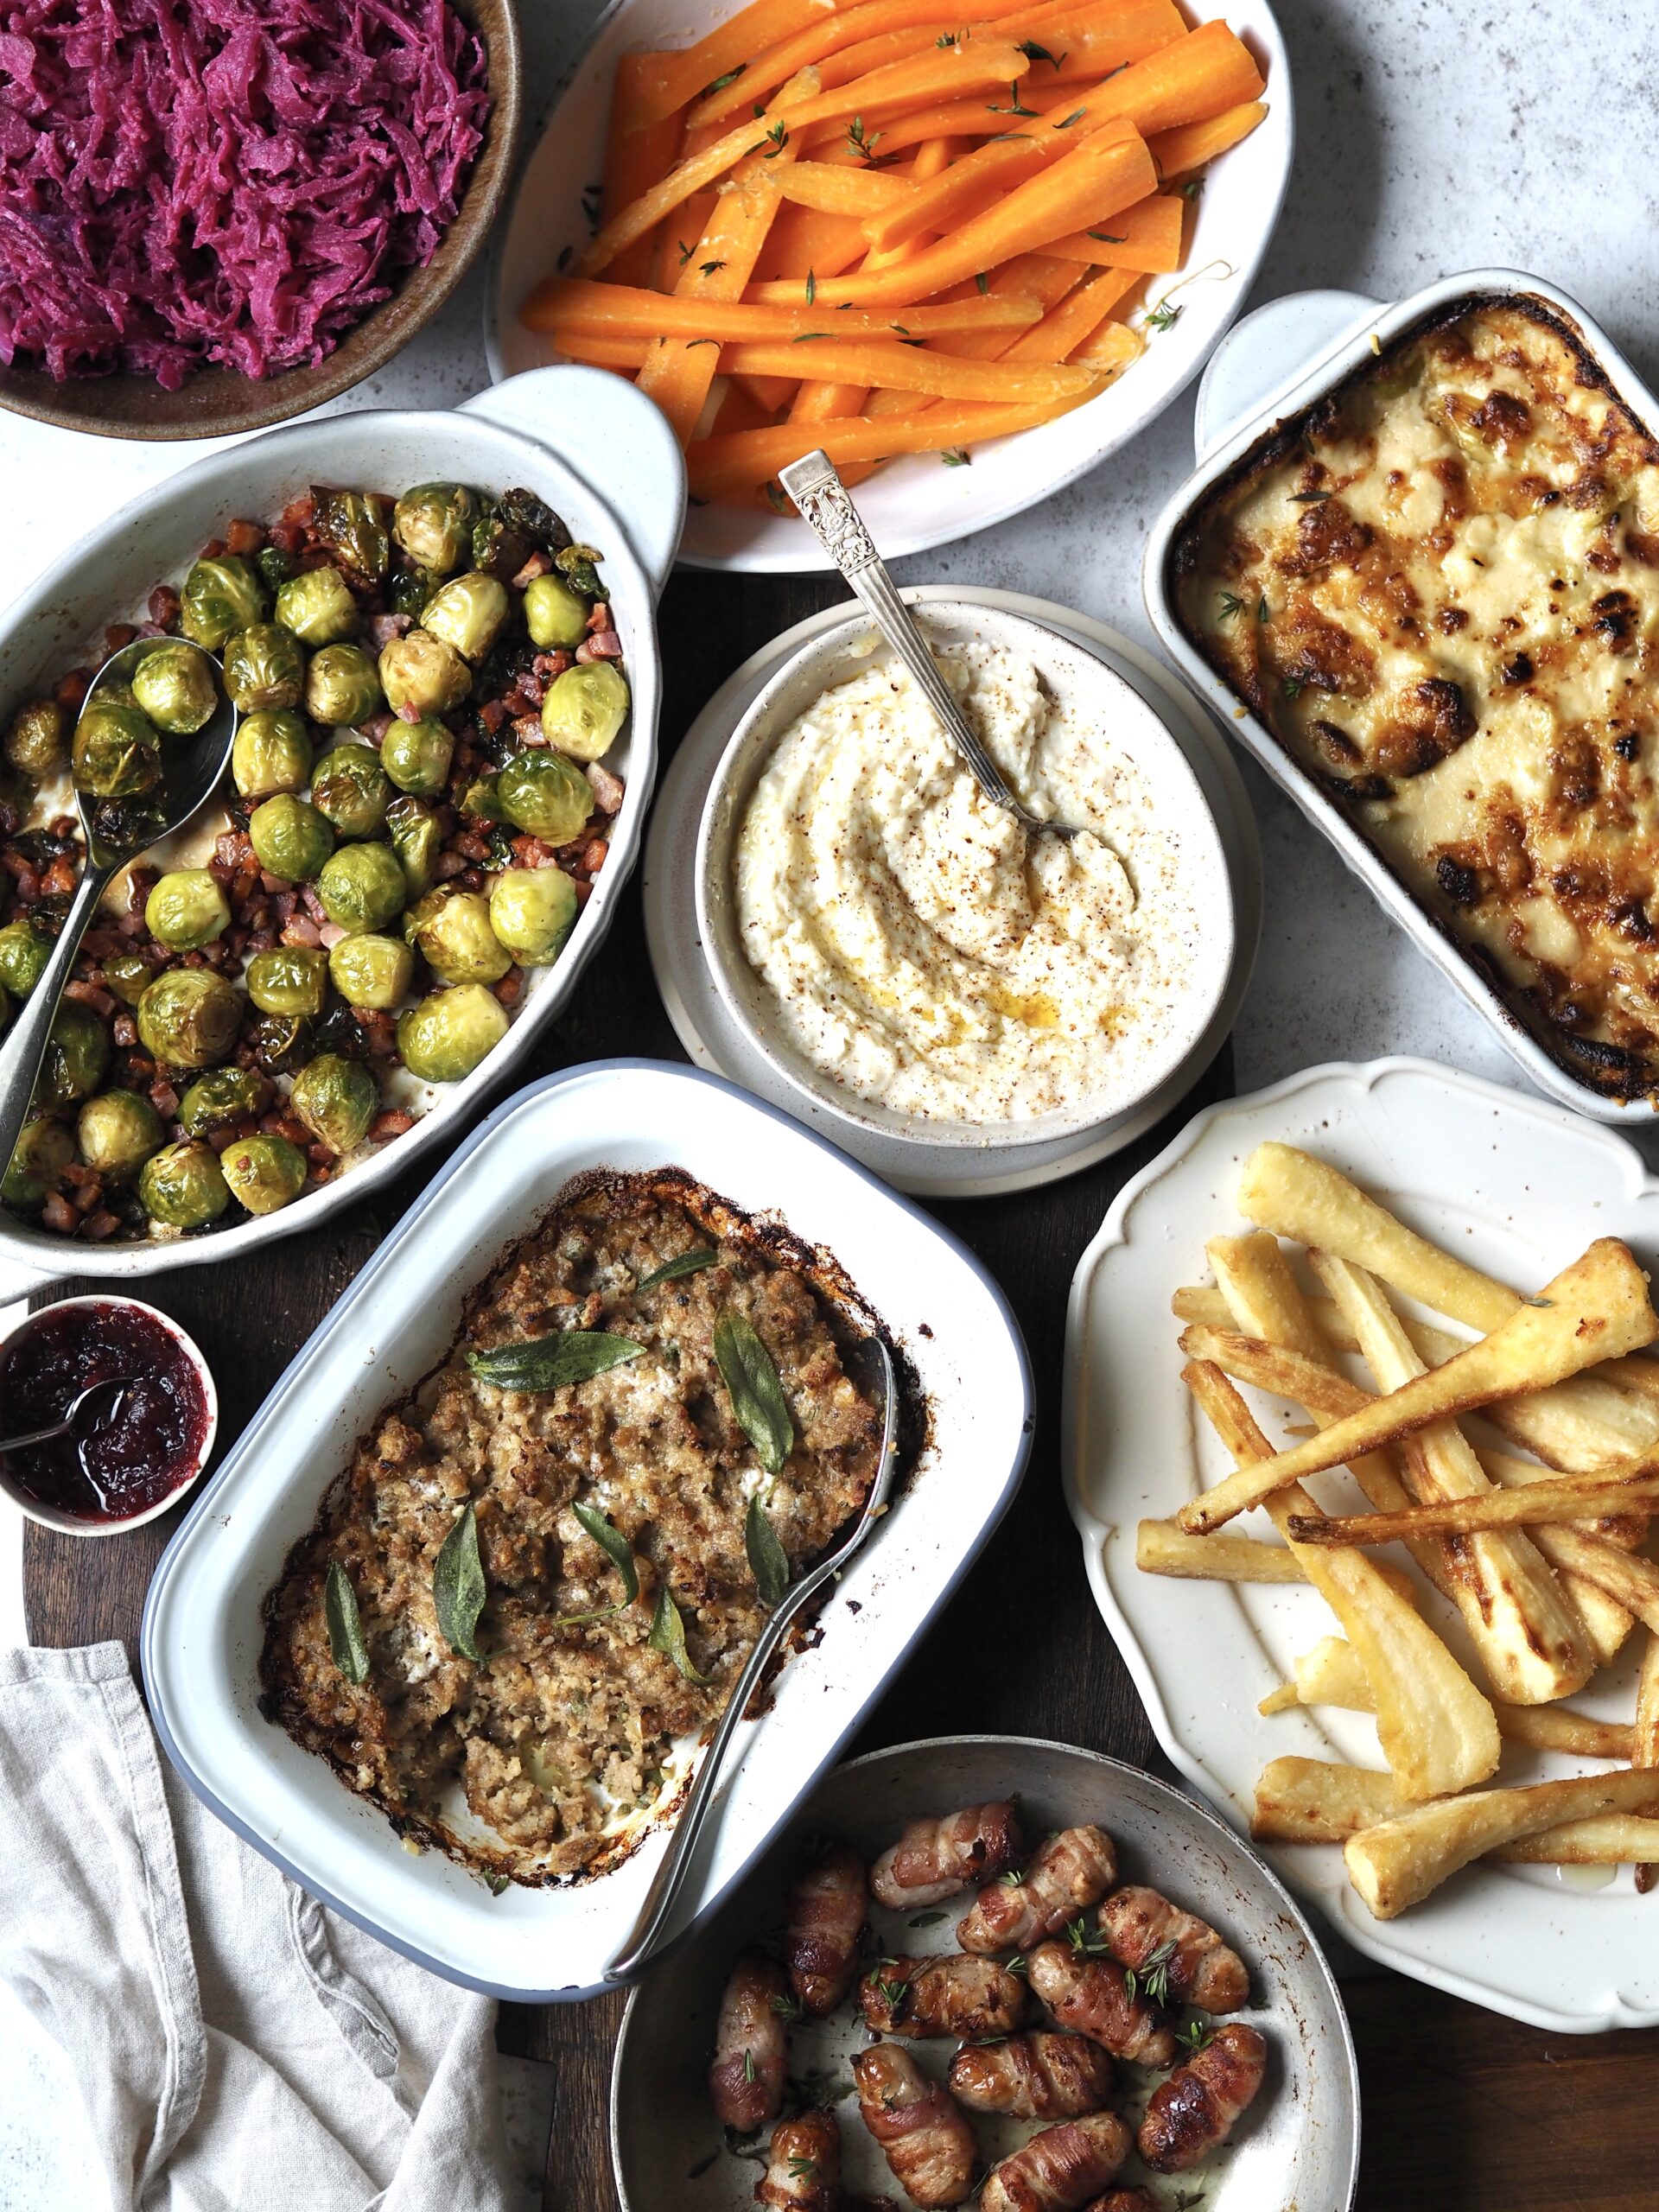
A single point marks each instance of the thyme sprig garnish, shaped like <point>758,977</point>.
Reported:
<point>1165,315</point>
<point>1228,605</point>
<point>1152,1980</point>
<point>1014,107</point>
<point>863,142</point>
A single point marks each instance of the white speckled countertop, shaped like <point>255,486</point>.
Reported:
<point>1432,135</point>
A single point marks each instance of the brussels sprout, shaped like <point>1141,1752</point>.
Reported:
<point>499,548</point>
<point>531,910</point>
<point>125,974</point>
<point>265,668</point>
<point>350,790</point>
<point>182,1186</point>
<point>188,1018</point>
<point>263,1172</point>
<point>354,525</point>
<point>580,564</point>
<point>76,1053</point>
<point>451,931</point>
<point>274,566</point>
<point>469,613</point>
<point>272,753</point>
<point>554,614</point>
<point>370,970</point>
<point>446,1036</point>
<point>186,909</point>
<point>423,673</point>
<point>482,799</point>
<point>35,743</point>
<point>417,756</point>
<point>117,1132</point>
<point>522,510</point>
<point>283,1042</point>
<point>174,687</point>
<point>417,839</point>
<point>289,979</point>
<point>290,838</point>
<point>44,1149</point>
<point>117,751</point>
<point>409,590</point>
<point>221,597</point>
<point>361,888</point>
<point>318,607</point>
<point>543,793</point>
<point>584,708</point>
<point>24,951</point>
<point>341,687</point>
<point>433,522</point>
<point>336,1098</point>
<point>222,1095</point>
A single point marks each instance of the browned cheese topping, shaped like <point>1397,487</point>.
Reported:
<point>1440,591</point>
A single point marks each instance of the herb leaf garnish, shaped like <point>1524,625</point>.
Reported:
<point>768,1561</point>
<point>682,1263</point>
<point>549,1363</point>
<point>668,1634</point>
<point>619,1551</point>
<point>757,1395</point>
<point>458,1585</point>
<point>351,1654</point>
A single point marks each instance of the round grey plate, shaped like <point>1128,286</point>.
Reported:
<point>715,1040</point>
<point>1299,2145</point>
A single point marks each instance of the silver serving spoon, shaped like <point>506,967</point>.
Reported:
<point>116,832</point>
<point>87,1413</point>
<point>645,1939</point>
<point>826,507</point>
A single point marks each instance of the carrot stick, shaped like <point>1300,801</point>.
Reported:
<point>621,310</point>
<point>1077,41</point>
<point>1097,178</point>
<point>1146,236</point>
<point>889,368</point>
<point>1190,146</point>
<point>1112,346</point>
<point>679,77</point>
<point>722,466</point>
<point>939,72</point>
<point>823,33</point>
<point>840,190</point>
<point>1076,320</point>
<point>634,159</point>
<point>1028,275</point>
<point>972,185</point>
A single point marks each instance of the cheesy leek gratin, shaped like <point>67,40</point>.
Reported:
<point>1439,590</point>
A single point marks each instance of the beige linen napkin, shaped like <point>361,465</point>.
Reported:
<point>238,2048</point>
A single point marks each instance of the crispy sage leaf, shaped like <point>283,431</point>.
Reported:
<point>549,1363</point>
<point>768,1561</point>
<point>668,1634</point>
<point>684,1263</point>
<point>345,1624</point>
<point>617,1548</point>
<point>757,1395</point>
<point>458,1585</point>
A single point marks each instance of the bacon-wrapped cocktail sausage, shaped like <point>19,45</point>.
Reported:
<point>1124,2200</point>
<point>1040,2076</point>
<point>1148,1932</point>
<point>1069,1874</point>
<point>751,2047</point>
<point>933,1859</point>
<point>1061,2168</point>
<point>828,1907</point>
<point>803,2164</point>
<point>1193,2113</point>
<point>925,2138</point>
<point>1090,1995</point>
<point>956,1996</point>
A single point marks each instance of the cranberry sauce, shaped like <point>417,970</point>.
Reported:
<point>150,1445</point>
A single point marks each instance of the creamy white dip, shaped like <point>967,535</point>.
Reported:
<point>927,953</point>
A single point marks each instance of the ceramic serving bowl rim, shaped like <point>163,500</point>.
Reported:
<point>487,427</point>
<point>67,1524</point>
<point>1225,1840</point>
<point>417,295</point>
<point>833,657</point>
<point>1371,328</point>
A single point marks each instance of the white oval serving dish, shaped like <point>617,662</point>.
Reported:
<point>202,1630</point>
<point>1299,2145</point>
<point>1517,1186</point>
<point>1278,362</point>
<point>912,504</point>
<point>600,454</point>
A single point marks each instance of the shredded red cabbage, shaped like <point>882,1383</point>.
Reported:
<point>236,182</point>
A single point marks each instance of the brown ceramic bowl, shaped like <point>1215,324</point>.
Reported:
<point>215,401</point>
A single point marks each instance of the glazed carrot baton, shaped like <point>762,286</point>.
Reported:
<point>634,159</point>
<point>1146,238</point>
<point>977,180</point>
<point>628,311</point>
<point>1190,146</point>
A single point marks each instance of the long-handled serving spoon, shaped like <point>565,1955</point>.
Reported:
<point>86,1413</point>
<point>826,506</point>
<point>116,833</point>
<point>661,1897</point>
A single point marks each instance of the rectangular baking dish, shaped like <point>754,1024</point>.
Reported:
<point>1275,364</point>
<point>202,1630</point>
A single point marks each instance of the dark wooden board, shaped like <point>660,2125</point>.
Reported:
<point>1464,2111</point>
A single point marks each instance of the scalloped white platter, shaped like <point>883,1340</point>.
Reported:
<point>1518,1187</point>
